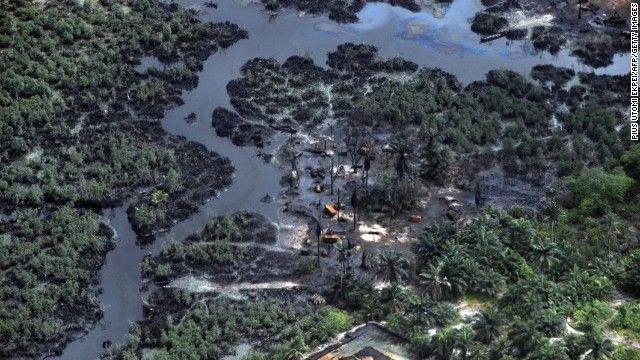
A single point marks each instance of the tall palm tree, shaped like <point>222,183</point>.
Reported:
<point>392,266</point>
<point>488,325</point>
<point>367,167</point>
<point>437,283</point>
<point>401,149</point>
<point>318,233</point>
<point>545,254</point>
<point>552,210</point>
<point>354,204</point>
<point>611,224</point>
<point>342,248</point>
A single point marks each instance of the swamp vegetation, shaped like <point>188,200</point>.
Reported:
<point>70,148</point>
<point>557,277</point>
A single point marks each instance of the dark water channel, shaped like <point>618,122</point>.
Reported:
<point>444,42</point>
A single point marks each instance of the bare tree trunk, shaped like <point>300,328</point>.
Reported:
<point>318,233</point>
<point>338,205</point>
<point>332,175</point>
<point>478,197</point>
<point>354,204</point>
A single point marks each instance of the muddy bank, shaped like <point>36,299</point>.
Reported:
<point>299,94</point>
<point>240,247</point>
<point>203,174</point>
<point>241,131</point>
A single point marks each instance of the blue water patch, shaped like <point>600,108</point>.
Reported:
<point>449,34</point>
<point>434,34</point>
<point>520,54</point>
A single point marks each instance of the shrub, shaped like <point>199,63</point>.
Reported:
<point>594,312</point>
<point>597,192</point>
<point>628,320</point>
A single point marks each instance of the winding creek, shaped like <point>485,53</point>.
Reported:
<point>444,42</point>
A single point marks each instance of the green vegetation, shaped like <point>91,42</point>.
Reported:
<point>191,327</point>
<point>598,192</point>
<point>67,149</point>
<point>212,249</point>
<point>530,275</point>
<point>48,266</point>
<point>626,353</point>
<point>630,273</point>
<point>627,321</point>
<point>536,284</point>
<point>593,313</point>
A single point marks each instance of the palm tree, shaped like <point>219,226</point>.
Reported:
<point>342,248</point>
<point>370,309</point>
<point>438,285</point>
<point>489,282</point>
<point>602,348</point>
<point>443,343</point>
<point>458,269</point>
<point>421,346</point>
<point>426,246</point>
<point>552,211</point>
<point>318,233</point>
<point>425,310</point>
<point>296,348</point>
<point>394,296</point>
<point>611,223</point>
<point>550,351</point>
<point>367,167</point>
<point>401,149</point>
<point>464,340</point>
<point>524,336</point>
<point>488,325</point>
<point>392,266</point>
<point>545,254</point>
<point>484,236</point>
